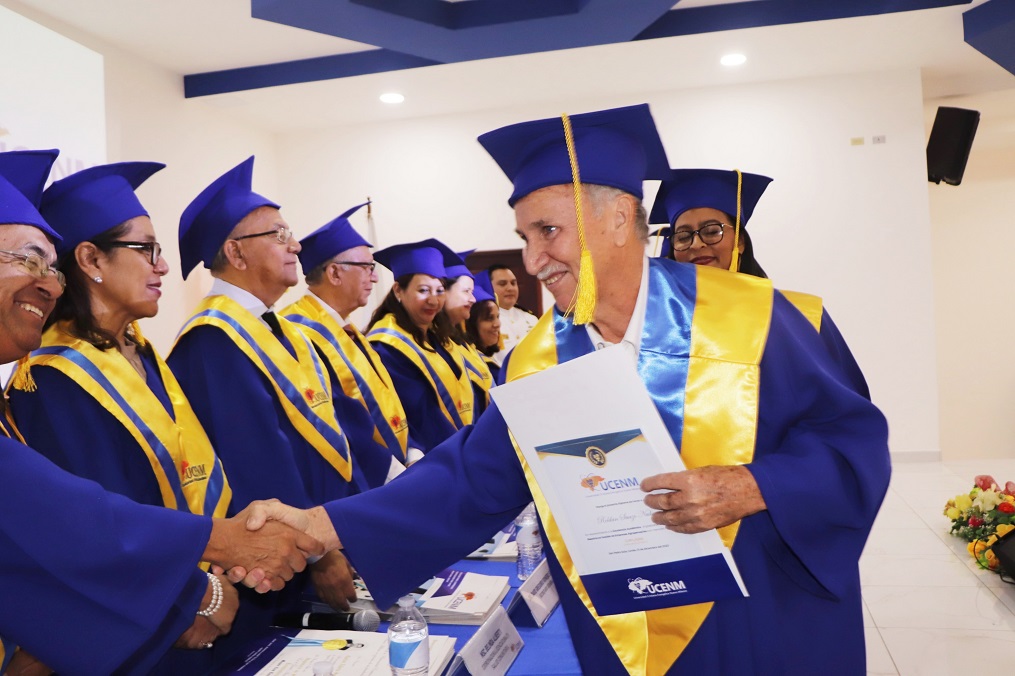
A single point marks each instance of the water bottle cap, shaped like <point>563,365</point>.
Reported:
<point>406,601</point>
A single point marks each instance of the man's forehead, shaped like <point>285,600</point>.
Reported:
<point>26,239</point>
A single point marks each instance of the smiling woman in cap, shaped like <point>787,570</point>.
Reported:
<point>412,336</point>
<point>96,377</point>
<point>706,212</point>
<point>461,296</point>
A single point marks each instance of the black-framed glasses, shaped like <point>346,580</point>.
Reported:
<point>153,250</point>
<point>369,267</point>
<point>36,266</point>
<point>708,234</point>
<point>282,234</point>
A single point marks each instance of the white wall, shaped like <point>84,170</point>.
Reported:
<point>847,222</point>
<point>974,241</point>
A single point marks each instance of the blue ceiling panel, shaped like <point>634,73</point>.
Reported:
<point>460,15</point>
<point>759,13</point>
<point>483,33</point>
<point>990,28</point>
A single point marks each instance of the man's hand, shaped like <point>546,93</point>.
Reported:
<point>314,521</point>
<point>277,551</point>
<point>24,664</point>
<point>332,576</point>
<point>704,498</point>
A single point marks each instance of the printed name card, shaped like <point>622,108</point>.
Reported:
<point>492,650</point>
<point>536,598</point>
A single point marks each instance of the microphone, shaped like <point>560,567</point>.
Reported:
<point>361,620</point>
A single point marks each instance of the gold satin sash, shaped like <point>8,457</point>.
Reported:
<point>301,378</point>
<point>729,330</point>
<point>370,368</point>
<point>808,305</point>
<point>192,456</point>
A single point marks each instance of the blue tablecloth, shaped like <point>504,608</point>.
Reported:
<point>548,650</point>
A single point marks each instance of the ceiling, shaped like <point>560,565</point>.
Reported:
<point>194,37</point>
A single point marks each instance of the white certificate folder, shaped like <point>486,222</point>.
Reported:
<point>590,433</point>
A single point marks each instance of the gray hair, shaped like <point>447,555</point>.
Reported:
<point>599,195</point>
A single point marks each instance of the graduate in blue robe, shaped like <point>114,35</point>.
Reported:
<point>702,197</point>
<point>776,425</point>
<point>411,337</point>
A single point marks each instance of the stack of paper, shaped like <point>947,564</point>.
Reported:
<point>450,597</point>
<point>348,653</point>
<point>501,547</point>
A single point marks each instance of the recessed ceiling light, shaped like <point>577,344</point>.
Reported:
<point>392,97</point>
<point>733,60</point>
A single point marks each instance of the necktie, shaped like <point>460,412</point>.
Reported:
<point>271,320</point>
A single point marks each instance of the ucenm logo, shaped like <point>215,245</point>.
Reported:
<point>596,483</point>
<point>644,587</point>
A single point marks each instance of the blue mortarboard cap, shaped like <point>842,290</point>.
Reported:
<point>484,287</point>
<point>92,201</point>
<point>455,266</point>
<point>23,175</point>
<point>330,239</point>
<point>425,257</point>
<point>712,188</point>
<point>618,148</point>
<point>208,220</point>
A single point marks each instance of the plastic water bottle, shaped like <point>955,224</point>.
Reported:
<point>408,640</point>
<point>530,545</point>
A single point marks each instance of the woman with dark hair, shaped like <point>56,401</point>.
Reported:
<point>461,295</point>
<point>96,378</point>
<point>482,328</point>
<point>707,211</point>
<point>412,336</point>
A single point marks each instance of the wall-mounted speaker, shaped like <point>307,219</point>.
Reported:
<point>949,144</point>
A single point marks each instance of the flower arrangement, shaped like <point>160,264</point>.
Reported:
<point>981,516</point>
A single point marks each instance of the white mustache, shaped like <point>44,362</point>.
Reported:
<point>550,271</point>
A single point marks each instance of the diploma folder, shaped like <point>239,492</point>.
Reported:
<point>590,432</point>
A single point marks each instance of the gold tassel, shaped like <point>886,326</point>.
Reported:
<point>584,302</point>
<point>22,379</point>
<point>139,338</point>
<point>735,258</point>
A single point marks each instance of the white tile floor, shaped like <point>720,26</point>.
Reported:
<point>928,609</point>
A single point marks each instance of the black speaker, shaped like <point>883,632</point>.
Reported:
<point>949,144</point>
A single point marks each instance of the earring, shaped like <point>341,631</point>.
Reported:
<point>97,279</point>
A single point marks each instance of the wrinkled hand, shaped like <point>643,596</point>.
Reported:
<point>332,578</point>
<point>26,664</point>
<point>276,550</point>
<point>224,616</point>
<point>199,635</point>
<point>704,498</point>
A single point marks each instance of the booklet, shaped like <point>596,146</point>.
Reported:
<point>347,653</point>
<point>590,433</point>
<point>450,597</point>
<point>500,547</point>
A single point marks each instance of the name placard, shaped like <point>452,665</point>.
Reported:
<point>492,650</point>
<point>536,598</point>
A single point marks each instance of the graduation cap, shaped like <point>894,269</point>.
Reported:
<point>330,239</point>
<point>455,265</point>
<point>425,257</point>
<point>91,201</point>
<point>619,148</point>
<point>730,191</point>
<point>208,220</point>
<point>23,175</point>
<point>484,287</point>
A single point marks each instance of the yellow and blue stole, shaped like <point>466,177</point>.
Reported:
<point>809,306</point>
<point>301,384</point>
<point>476,365</point>
<point>189,474</point>
<point>358,368</point>
<point>454,394</point>
<point>701,347</point>
<point>6,654</point>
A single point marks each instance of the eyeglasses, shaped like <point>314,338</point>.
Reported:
<point>36,266</point>
<point>368,266</point>
<point>282,234</point>
<point>709,234</point>
<point>152,249</point>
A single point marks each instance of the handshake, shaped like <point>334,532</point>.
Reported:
<point>268,542</point>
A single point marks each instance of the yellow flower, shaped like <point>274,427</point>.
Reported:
<point>963,502</point>
<point>1009,498</point>
<point>1004,529</point>
<point>953,513</point>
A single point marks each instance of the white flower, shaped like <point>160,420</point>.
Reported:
<point>987,500</point>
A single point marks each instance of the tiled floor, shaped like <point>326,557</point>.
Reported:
<point>928,609</point>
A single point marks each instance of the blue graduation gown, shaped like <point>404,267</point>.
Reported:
<point>841,355</point>
<point>57,416</point>
<point>821,463</point>
<point>427,424</point>
<point>92,582</point>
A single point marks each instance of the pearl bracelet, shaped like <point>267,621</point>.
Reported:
<point>216,597</point>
